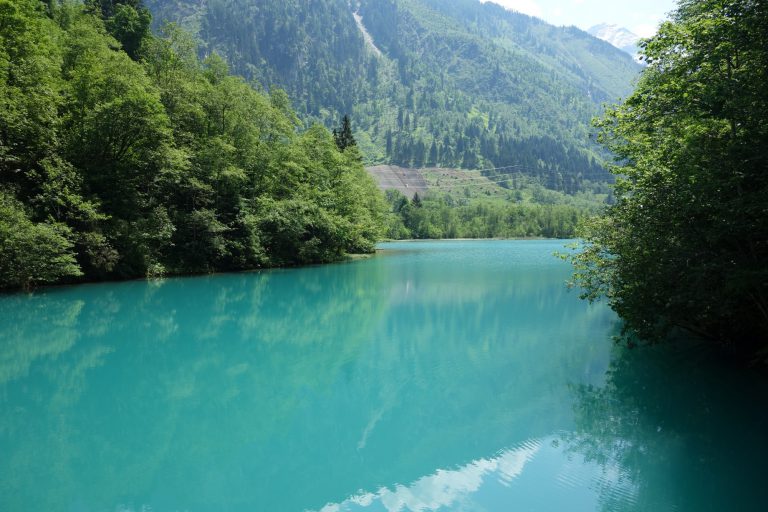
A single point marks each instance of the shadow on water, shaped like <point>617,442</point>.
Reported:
<point>682,425</point>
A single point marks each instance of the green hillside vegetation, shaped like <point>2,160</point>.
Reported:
<point>122,155</point>
<point>516,187</point>
<point>445,83</point>
<point>465,204</point>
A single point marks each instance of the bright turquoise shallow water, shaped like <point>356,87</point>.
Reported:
<point>437,376</point>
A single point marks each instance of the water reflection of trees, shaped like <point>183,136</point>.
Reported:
<point>92,376</point>
<point>234,388</point>
<point>32,328</point>
<point>684,426</point>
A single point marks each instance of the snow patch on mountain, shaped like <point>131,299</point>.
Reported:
<point>619,37</point>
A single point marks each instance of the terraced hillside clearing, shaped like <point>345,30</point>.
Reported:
<point>406,181</point>
<point>456,182</point>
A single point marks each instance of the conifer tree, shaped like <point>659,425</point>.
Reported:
<point>344,137</point>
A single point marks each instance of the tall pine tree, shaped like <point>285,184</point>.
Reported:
<point>344,137</point>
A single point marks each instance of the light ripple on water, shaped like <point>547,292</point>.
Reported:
<point>467,486</point>
<point>445,487</point>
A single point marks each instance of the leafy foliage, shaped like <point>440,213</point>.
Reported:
<point>447,215</point>
<point>124,157</point>
<point>32,253</point>
<point>687,242</point>
<point>127,21</point>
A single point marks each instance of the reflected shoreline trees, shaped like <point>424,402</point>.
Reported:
<point>187,391</point>
<point>684,428</point>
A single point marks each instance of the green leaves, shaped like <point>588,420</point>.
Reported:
<point>674,250</point>
<point>130,26</point>
<point>32,253</point>
<point>112,167</point>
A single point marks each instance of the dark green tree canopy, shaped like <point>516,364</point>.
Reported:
<point>134,159</point>
<point>128,21</point>
<point>108,8</point>
<point>343,136</point>
<point>686,243</point>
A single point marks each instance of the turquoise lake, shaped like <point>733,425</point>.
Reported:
<point>436,376</point>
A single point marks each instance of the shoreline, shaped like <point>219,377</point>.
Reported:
<point>347,258</point>
<point>499,239</point>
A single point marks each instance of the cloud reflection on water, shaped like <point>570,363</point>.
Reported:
<point>540,474</point>
<point>445,487</point>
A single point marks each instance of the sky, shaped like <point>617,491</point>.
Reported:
<point>640,16</point>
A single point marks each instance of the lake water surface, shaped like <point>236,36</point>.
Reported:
<point>437,376</point>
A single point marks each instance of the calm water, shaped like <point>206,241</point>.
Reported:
<point>451,376</point>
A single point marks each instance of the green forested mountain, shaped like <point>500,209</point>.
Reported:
<point>123,154</point>
<point>453,83</point>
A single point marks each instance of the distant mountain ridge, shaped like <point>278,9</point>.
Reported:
<point>619,37</point>
<point>427,82</point>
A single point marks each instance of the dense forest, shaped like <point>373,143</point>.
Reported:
<point>427,82</point>
<point>123,154</point>
<point>443,215</point>
<point>126,153</point>
<point>686,244</point>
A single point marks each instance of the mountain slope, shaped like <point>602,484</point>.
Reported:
<point>619,37</point>
<point>427,82</point>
